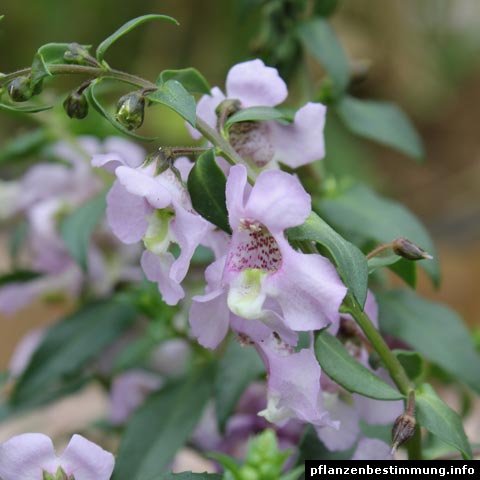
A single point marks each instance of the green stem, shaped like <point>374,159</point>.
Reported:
<point>390,361</point>
<point>223,147</point>
<point>394,367</point>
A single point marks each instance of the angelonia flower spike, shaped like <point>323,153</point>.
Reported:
<point>233,295</point>
<point>32,456</point>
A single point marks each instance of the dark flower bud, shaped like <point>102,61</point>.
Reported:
<point>76,105</point>
<point>20,89</point>
<point>77,54</point>
<point>407,249</point>
<point>131,110</point>
<point>403,429</point>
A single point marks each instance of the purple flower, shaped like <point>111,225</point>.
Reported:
<point>254,84</point>
<point>372,449</point>
<point>129,391</point>
<point>262,277</point>
<point>156,209</point>
<point>30,456</point>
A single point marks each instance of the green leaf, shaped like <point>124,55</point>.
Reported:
<point>39,71</point>
<point>325,8</point>
<point>19,276</point>
<point>128,27</point>
<point>172,94</point>
<point>438,418</point>
<point>24,145</point>
<point>432,329</point>
<point>77,228</point>
<point>161,426</point>
<point>93,100</point>
<point>341,367</point>
<point>25,108</point>
<point>406,270</point>
<point>381,261</point>
<point>257,114</point>
<point>361,213</point>
<point>382,122</point>
<point>412,362</point>
<point>53,53</point>
<point>70,345</point>
<point>320,40</point>
<point>185,476</point>
<point>349,260</point>
<point>231,381</point>
<point>206,184</point>
<point>192,80</point>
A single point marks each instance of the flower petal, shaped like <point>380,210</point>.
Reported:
<point>138,182</point>
<point>188,230</point>
<point>128,391</point>
<point>24,457</point>
<point>127,214</point>
<point>86,460</point>
<point>255,84</point>
<point>346,435</point>
<point>302,141</point>
<point>157,269</point>
<point>206,110</point>
<point>307,288</point>
<point>372,449</point>
<point>210,318</point>
<point>235,194</point>
<point>293,385</point>
<point>278,201</point>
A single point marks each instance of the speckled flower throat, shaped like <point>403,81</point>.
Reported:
<point>256,248</point>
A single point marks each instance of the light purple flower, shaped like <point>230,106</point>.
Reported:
<point>128,392</point>
<point>263,277</point>
<point>28,456</point>
<point>372,449</point>
<point>254,84</point>
<point>156,209</point>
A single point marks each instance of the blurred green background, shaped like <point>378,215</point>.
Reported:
<point>423,55</point>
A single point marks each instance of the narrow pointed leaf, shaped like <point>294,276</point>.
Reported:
<point>320,40</point>
<point>438,418</point>
<point>432,329</point>
<point>161,426</point>
<point>190,78</point>
<point>231,382</point>
<point>349,260</point>
<point>206,184</point>
<point>341,367</point>
<point>172,94</point>
<point>91,95</point>
<point>257,114</point>
<point>77,228</point>
<point>70,344</point>
<point>361,213</point>
<point>128,27</point>
<point>382,122</point>
<point>25,108</point>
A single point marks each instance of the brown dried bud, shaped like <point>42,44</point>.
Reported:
<point>403,429</point>
<point>407,249</point>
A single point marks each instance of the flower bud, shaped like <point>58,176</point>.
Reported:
<point>20,89</point>
<point>407,249</point>
<point>59,475</point>
<point>130,110</point>
<point>77,54</point>
<point>76,105</point>
<point>403,429</point>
